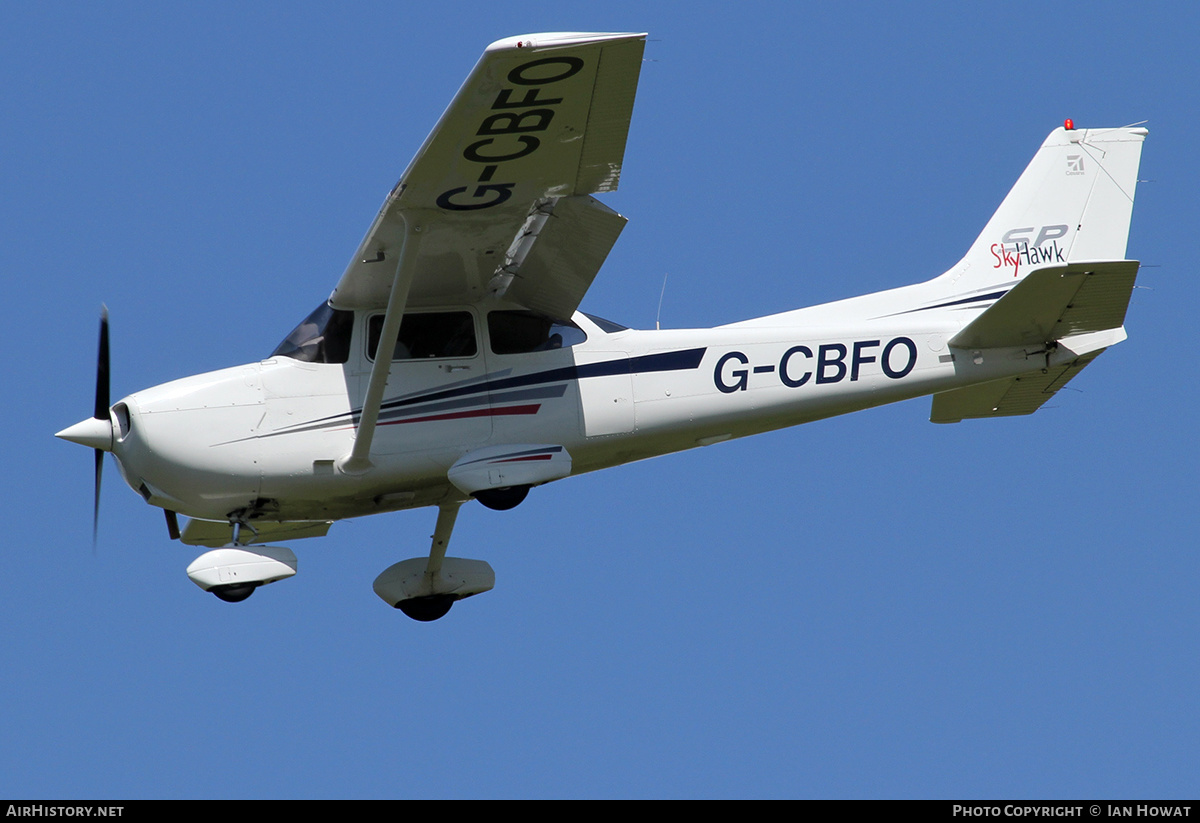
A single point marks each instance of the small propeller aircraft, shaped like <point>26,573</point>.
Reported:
<point>451,362</point>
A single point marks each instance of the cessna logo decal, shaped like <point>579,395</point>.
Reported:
<point>832,363</point>
<point>1015,248</point>
<point>509,131</point>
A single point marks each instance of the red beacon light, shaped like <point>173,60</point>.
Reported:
<point>1069,124</point>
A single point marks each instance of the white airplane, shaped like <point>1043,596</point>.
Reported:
<point>471,276</point>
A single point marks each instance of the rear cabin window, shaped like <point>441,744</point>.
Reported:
<point>519,332</point>
<point>424,336</point>
<point>607,326</point>
<point>322,337</point>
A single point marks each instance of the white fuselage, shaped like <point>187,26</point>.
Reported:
<point>266,438</point>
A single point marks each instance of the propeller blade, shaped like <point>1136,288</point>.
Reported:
<point>102,399</point>
<point>96,502</point>
<point>101,413</point>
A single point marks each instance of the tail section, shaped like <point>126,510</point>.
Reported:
<point>1054,254</point>
<point>1073,203</point>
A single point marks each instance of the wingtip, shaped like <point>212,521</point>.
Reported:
<point>552,39</point>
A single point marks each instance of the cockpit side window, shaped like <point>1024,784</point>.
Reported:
<point>518,332</point>
<point>431,334</point>
<point>323,337</point>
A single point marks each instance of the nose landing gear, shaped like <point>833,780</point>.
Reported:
<point>234,593</point>
<point>233,572</point>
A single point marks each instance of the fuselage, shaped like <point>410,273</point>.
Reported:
<point>264,440</point>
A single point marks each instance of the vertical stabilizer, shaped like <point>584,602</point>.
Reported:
<point>1072,203</point>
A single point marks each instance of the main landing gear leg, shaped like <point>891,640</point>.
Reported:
<point>426,588</point>
<point>433,606</point>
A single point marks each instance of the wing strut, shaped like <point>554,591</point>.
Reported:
<point>359,459</point>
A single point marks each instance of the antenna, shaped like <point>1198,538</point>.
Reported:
<point>660,299</point>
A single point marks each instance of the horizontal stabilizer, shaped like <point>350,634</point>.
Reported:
<point>214,534</point>
<point>1023,394</point>
<point>1053,303</point>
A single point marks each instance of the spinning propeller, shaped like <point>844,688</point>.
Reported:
<point>96,431</point>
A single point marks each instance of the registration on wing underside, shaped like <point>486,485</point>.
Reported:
<point>529,125</point>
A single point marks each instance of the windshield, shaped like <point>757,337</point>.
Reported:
<point>323,337</point>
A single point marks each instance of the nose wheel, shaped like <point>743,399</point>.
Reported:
<point>234,593</point>
<point>233,572</point>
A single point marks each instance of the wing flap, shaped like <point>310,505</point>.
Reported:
<point>564,260</point>
<point>1023,394</point>
<point>1052,303</point>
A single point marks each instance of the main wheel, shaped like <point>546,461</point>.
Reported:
<point>234,592</point>
<point>426,609</point>
<point>502,499</point>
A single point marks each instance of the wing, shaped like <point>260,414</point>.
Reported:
<point>500,187</point>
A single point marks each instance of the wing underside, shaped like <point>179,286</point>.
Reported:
<point>499,190</point>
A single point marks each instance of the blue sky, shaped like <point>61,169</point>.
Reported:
<point>869,606</point>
